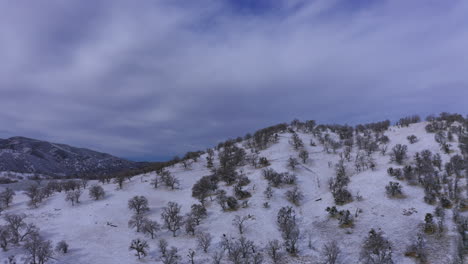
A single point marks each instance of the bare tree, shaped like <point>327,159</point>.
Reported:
<point>6,197</point>
<point>304,155</point>
<point>171,256</point>
<point>139,204</point>
<point>5,237</point>
<point>39,250</point>
<point>62,247</point>
<point>295,195</point>
<point>140,246</point>
<point>191,256</point>
<point>73,196</point>
<point>15,223</point>
<point>136,221</point>
<point>292,163</point>
<point>376,249</point>
<point>398,153</point>
<point>35,195</point>
<point>204,241</point>
<point>172,218</point>
<point>217,257</point>
<point>198,213</point>
<point>169,180</point>
<point>190,224</point>
<point>274,251</point>
<point>150,227</point>
<point>119,180</point>
<point>84,183</point>
<point>330,252</point>
<point>162,245</point>
<point>240,222</point>
<point>96,192</point>
<point>155,181</point>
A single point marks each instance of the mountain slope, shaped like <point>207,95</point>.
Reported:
<point>26,155</point>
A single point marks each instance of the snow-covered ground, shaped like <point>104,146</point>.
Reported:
<point>85,226</point>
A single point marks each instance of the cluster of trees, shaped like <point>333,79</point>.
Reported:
<point>338,185</point>
<point>165,177</point>
<point>17,231</point>
<point>344,217</point>
<point>406,121</point>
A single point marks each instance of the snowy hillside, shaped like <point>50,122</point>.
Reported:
<point>97,231</point>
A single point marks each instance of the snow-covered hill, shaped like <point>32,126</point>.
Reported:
<point>98,232</point>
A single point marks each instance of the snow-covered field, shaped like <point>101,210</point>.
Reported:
<point>93,241</point>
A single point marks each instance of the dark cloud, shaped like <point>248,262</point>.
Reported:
<point>153,79</point>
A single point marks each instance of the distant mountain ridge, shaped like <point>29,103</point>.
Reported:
<point>27,155</point>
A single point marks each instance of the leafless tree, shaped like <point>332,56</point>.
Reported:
<point>295,195</point>
<point>15,223</point>
<point>292,163</point>
<point>171,256</point>
<point>35,195</point>
<point>240,222</point>
<point>162,245</point>
<point>140,246</point>
<point>171,216</point>
<point>5,237</point>
<point>204,241</point>
<point>191,256</point>
<point>6,197</point>
<point>136,221</point>
<point>376,249</point>
<point>62,247</point>
<point>304,155</point>
<point>96,192</point>
<point>150,227</point>
<point>73,196</point>
<point>139,204</point>
<point>274,251</point>
<point>39,250</point>
<point>330,252</point>
<point>217,257</point>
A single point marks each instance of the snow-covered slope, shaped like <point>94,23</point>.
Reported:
<point>98,231</point>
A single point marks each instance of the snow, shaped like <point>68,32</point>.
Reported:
<point>92,240</point>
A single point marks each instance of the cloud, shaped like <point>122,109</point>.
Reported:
<point>159,78</point>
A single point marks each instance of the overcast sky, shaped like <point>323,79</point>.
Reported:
<point>150,79</point>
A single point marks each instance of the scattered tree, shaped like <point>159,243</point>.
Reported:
<point>140,246</point>
<point>39,250</point>
<point>172,218</point>
<point>293,163</point>
<point>393,189</point>
<point>6,197</point>
<point>150,227</point>
<point>96,192</point>
<point>398,153</point>
<point>204,241</point>
<point>136,221</point>
<point>376,249</point>
<point>295,195</point>
<point>139,204</point>
<point>330,252</point>
<point>240,222</point>
<point>304,155</point>
<point>274,251</point>
<point>62,247</point>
